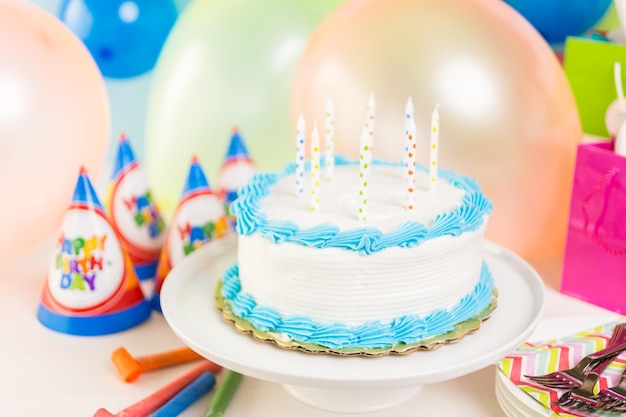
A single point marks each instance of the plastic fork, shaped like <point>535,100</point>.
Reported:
<point>574,377</point>
<point>614,398</point>
<point>582,397</point>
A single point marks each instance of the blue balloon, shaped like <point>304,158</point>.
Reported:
<point>125,37</point>
<point>558,19</point>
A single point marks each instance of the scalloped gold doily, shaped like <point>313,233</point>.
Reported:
<point>430,343</point>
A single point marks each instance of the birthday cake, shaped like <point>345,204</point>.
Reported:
<point>326,281</point>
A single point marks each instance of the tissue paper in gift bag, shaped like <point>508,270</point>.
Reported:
<point>588,65</point>
<point>594,266</point>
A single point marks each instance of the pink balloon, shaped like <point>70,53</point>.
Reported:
<point>54,117</point>
<point>508,116</point>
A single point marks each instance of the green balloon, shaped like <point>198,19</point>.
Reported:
<point>225,64</point>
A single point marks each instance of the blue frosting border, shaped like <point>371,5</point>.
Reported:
<point>469,216</point>
<point>406,329</point>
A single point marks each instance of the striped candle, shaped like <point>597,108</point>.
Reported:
<point>411,161</point>
<point>330,139</point>
<point>300,132</point>
<point>315,169</point>
<point>364,170</point>
<point>408,119</point>
<point>434,148</point>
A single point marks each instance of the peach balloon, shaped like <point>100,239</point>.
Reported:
<point>54,117</point>
<point>508,116</point>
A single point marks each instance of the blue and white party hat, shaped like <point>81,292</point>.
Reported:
<point>91,287</point>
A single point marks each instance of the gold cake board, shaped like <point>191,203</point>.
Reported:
<point>459,331</point>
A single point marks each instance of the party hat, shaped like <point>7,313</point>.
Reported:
<point>236,169</point>
<point>199,218</point>
<point>134,213</point>
<point>91,287</point>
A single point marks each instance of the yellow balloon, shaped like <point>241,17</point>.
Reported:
<point>225,64</point>
<point>508,116</point>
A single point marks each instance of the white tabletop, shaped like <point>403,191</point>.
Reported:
<point>43,372</point>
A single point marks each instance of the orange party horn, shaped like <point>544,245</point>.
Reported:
<point>130,368</point>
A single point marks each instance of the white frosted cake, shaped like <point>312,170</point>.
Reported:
<point>323,281</point>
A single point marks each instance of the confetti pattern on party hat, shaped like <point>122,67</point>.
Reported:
<point>236,169</point>
<point>91,288</point>
<point>199,218</point>
<point>134,213</point>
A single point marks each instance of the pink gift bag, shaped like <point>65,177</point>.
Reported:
<point>594,267</point>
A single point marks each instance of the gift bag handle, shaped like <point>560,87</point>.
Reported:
<point>603,180</point>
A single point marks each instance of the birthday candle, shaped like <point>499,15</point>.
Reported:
<point>315,169</point>
<point>408,119</point>
<point>364,170</point>
<point>300,132</point>
<point>434,145</point>
<point>411,160</point>
<point>370,114</point>
<point>330,139</point>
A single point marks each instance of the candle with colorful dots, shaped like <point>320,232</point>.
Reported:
<point>330,139</point>
<point>410,168</point>
<point>364,170</point>
<point>315,169</point>
<point>300,132</point>
<point>434,145</point>
<point>408,119</point>
<point>370,114</point>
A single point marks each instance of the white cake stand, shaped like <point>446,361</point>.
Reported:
<point>346,384</point>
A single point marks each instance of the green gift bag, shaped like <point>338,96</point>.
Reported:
<point>588,65</point>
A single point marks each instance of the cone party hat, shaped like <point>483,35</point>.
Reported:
<point>91,288</point>
<point>199,218</point>
<point>236,169</point>
<point>134,213</point>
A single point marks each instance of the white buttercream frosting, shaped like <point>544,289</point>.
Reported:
<point>335,285</point>
<point>386,200</point>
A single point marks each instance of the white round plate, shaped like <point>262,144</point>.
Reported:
<point>505,404</point>
<point>513,400</point>
<point>188,304</point>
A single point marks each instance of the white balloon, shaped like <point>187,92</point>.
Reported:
<point>615,116</point>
